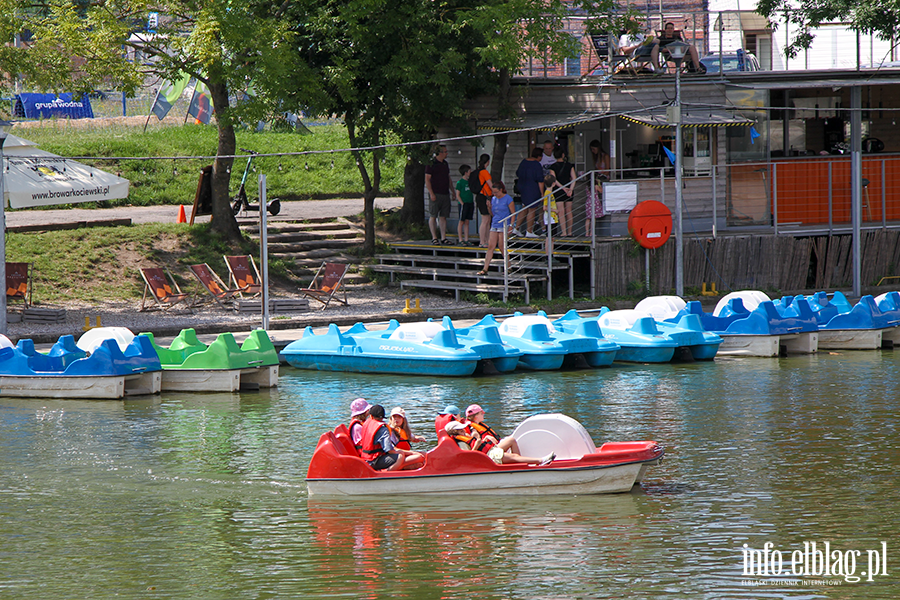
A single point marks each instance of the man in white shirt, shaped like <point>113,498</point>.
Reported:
<point>635,44</point>
<point>547,157</point>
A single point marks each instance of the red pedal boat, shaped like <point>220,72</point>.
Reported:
<point>580,467</point>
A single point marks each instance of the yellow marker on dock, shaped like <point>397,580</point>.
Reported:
<point>408,309</point>
<point>87,323</point>
<point>712,289</point>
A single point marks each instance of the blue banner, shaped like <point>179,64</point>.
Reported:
<point>46,106</point>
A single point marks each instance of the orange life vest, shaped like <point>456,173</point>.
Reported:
<point>468,440</point>
<point>369,450</point>
<point>483,430</point>
<point>441,422</point>
<point>402,439</point>
<point>355,423</point>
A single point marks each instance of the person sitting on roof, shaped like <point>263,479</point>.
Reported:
<point>639,44</point>
<point>448,415</point>
<point>359,410</point>
<point>669,35</point>
<point>501,451</point>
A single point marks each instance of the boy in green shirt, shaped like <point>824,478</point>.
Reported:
<point>466,206</point>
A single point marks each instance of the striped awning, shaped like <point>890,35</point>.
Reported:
<point>692,118</point>
<point>542,122</point>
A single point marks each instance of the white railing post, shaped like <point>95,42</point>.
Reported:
<point>548,226</point>
<point>505,240</point>
<point>715,200</point>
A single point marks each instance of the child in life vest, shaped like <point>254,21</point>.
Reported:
<point>503,451</point>
<point>400,429</point>
<point>359,410</point>
<point>461,435</point>
<point>450,413</point>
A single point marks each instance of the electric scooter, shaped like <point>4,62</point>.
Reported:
<point>240,200</point>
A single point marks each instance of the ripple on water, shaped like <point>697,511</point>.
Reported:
<point>203,496</point>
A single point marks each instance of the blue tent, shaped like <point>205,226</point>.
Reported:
<point>45,106</point>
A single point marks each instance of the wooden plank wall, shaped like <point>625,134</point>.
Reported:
<point>783,263</point>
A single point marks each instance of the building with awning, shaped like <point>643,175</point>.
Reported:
<point>35,177</point>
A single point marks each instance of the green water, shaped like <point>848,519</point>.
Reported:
<point>203,496</point>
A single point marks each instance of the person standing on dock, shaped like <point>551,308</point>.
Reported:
<point>437,182</point>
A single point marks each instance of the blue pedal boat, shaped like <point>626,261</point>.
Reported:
<point>106,371</point>
<point>540,352</point>
<point>694,342</point>
<point>637,335</point>
<point>866,325</point>
<point>546,347</point>
<point>491,348</point>
<point>571,327</point>
<point>359,350</point>
<point>751,325</point>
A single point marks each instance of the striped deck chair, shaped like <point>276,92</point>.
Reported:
<point>214,285</point>
<point>326,284</point>
<point>165,295</point>
<point>18,282</point>
<point>244,275</point>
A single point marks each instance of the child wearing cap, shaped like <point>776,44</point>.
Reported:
<point>461,435</point>
<point>503,451</point>
<point>359,410</point>
<point>448,415</point>
<point>400,429</point>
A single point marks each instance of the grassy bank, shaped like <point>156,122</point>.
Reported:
<point>103,263</point>
<point>174,181</point>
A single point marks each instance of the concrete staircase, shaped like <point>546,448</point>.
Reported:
<point>311,242</point>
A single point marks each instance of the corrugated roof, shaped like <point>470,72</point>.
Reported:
<point>695,118</point>
<point>543,122</point>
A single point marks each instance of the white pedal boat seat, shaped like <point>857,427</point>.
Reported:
<point>518,325</point>
<point>91,339</point>
<point>542,434</point>
<point>661,307</point>
<point>417,332</point>
<point>750,298</point>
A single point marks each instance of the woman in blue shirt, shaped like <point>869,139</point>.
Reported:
<point>501,207</point>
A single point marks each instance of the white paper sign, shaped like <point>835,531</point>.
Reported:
<point>619,196</point>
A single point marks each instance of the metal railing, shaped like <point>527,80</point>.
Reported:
<point>518,249</point>
<point>725,31</point>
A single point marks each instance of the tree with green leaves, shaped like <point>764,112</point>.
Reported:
<point>400,71</point>
<point>881,19</point>
<point>243,50</point>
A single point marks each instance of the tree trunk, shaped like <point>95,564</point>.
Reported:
<point>223,220</point>
<point>500,141</point>
<point>371,186</point>
<point>414,191</point>
<point>504,110</point>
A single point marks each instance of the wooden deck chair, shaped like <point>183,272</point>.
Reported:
<point>165,295</point>
<point>326,283</point>
<point>214,285</point>
<point>18,282</point>
<point>243,275</point>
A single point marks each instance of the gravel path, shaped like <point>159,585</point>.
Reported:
<point>368,302</point>
<point>293,210</point>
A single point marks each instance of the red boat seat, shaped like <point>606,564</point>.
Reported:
<point>344,443</point>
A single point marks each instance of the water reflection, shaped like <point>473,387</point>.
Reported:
<point>203,495</point>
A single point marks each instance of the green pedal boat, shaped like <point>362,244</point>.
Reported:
<point>189,365</point>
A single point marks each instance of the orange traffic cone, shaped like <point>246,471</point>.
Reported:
<point>181,216</point>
